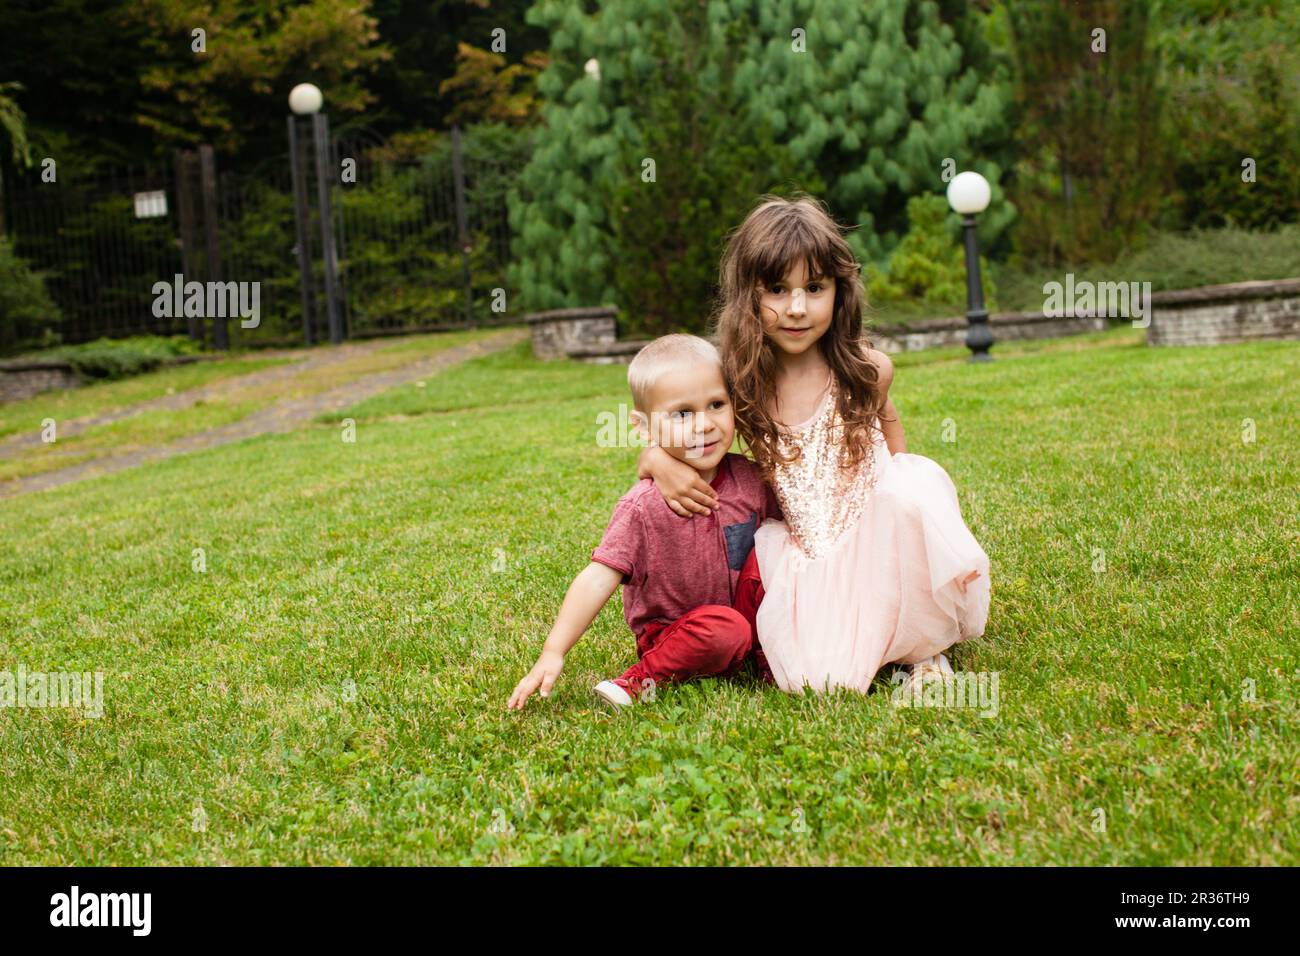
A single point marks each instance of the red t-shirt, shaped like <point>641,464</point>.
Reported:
<point>671,564</point>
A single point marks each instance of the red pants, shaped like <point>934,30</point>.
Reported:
<point>707,641</point>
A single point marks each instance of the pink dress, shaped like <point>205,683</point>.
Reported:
<point>867,568</point>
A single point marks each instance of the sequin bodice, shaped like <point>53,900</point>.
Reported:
<point>821,501</point>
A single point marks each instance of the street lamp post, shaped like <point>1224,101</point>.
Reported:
<point>305,99</point>
<point>968,195</point>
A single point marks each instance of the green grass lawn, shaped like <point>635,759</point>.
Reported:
<point>332,688</point>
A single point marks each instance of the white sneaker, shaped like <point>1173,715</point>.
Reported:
<point>614,693</point>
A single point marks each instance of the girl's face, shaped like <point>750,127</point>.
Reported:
<point>797,311</point>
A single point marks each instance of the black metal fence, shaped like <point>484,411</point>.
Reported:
<point>420,244</point>
<point>400,248</point>
<point>99,257</point>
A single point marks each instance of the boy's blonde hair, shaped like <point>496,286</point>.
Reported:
<point>664,353</point>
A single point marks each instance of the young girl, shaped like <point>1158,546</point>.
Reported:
<point>873,563</point>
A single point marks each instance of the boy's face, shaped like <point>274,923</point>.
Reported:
<point>691,415</point>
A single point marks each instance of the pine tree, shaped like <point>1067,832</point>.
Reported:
<point>692,176</point>
<point>872,97</point>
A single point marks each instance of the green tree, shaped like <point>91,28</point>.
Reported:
<point>670,227</point>
<point>426,37</point>
<point>254,52</point>
<point>487,88</point>
<point>28,316</point>
<point>873,97</point>
<point>1233,78</point>
<point>79,64</point>
<point>13,127</point>
<point>13,124</point>
<point>1089,101</point>
<point>109,83</point>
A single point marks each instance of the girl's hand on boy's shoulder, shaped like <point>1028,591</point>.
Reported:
<point>542,676</point>
<point>685,492</point>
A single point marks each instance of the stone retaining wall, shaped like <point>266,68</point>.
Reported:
<point>1207,315</point>
<point>557,331</point>
<point>1214,314</point>
<point>25,379</point>
<point>608,353</point>
<point>930,333</point>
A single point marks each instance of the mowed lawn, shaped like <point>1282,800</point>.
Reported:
<point>331,689</point>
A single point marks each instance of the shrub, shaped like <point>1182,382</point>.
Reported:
<point>120,358</point>
<point>28,316</point>
<point>929,266</point>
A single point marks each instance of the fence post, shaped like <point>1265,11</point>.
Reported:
<point>302,220</point>
<point>462,223</point>
<point>189,235</point>
<point>321,130</point>
<point>208,167</point>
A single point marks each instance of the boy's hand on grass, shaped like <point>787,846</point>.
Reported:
<point>542,676</point>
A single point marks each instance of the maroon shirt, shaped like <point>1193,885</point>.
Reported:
<point>671,564</point>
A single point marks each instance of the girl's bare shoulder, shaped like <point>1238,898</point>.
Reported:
<point>884,367</point>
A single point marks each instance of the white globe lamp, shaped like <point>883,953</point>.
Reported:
<point>305,98</point>
<point>969,193</point>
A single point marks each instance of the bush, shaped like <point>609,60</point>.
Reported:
<point>1233,78</point>
<point>28,316</point>
<point>928,267</point>
<point>1169,260</point>
<point>120,358</point>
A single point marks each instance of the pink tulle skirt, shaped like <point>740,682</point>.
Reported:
<point>889,590</point>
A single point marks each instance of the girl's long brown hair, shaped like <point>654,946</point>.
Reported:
<point>775,235</point>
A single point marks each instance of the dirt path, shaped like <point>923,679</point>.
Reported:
<point>283,417</point>
<point>302,360</point>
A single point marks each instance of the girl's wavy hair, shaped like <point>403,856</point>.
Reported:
<point>775,235</point>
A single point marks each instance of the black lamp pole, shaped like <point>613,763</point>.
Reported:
<point>979,338</point>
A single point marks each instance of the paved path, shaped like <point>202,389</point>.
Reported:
<point>301,360</point>
<point>283,417</point>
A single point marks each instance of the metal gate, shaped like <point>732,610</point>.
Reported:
<point>419,244</point>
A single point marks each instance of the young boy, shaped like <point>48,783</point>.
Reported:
<point>679,574</point>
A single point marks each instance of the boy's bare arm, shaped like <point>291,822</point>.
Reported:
<point>588,593</point>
